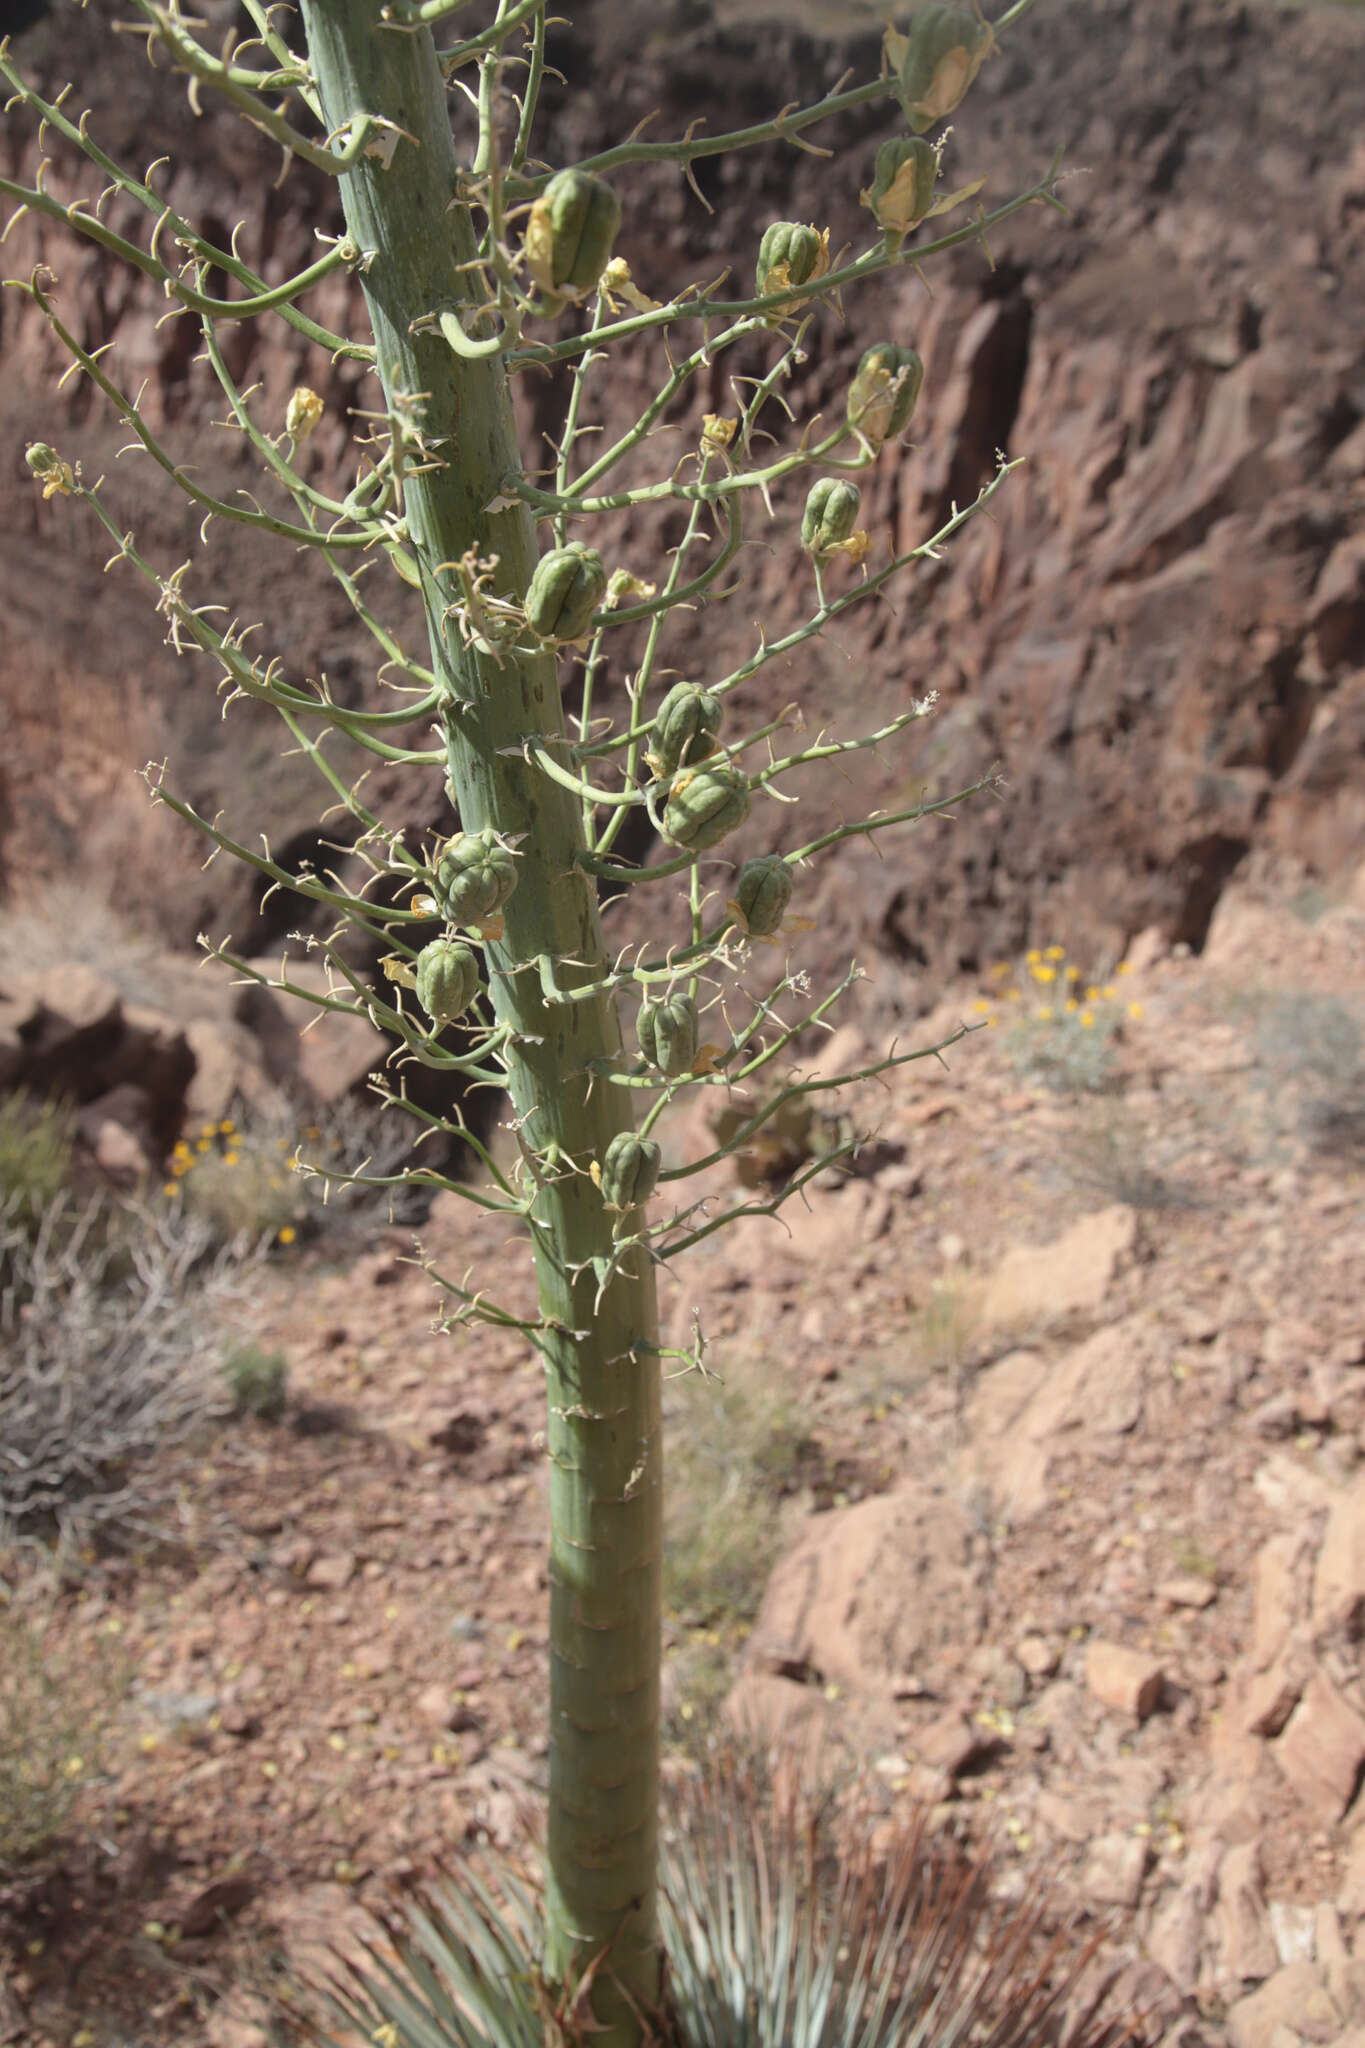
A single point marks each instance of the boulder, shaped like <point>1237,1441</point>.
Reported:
<point>1322,1750</point>
<point>1046,1283</point>
<point>322,1053</point>
<point>1024,1408</point>
<point>872,1593</point>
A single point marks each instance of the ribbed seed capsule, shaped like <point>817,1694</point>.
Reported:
<point>684,729</point>
<point>567,587</point>
<point>936,61</point>
<point>628,1171</point>
<point>704,804</point>
<point>570,233</point>
<point>903,179</point>
<point>831,514</point>
<point>762,894</point>
<point>447,979</point>
<point>884,391</point>
<point>474,877</point>
<point>789,254</point>
<point>668,1033</point>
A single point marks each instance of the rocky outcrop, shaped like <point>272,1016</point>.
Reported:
<point>1158,633</point>
<point>140,1076</point>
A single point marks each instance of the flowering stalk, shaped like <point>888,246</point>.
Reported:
<point>599,1331</point>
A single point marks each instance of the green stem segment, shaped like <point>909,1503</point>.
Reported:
<point>600,1331</point>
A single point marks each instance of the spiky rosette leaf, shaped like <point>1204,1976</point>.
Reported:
<point>783,1932</point>
<point>459,1970</point>
<point>783,1928</point>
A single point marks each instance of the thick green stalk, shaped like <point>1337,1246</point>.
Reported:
<point>600,1337</point>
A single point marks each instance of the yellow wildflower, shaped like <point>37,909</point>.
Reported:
<point>1043,973</point>
<point>1055,953</point>
<point>288,1234</point>
<point>1087,1018</point>
<point>1135,1011</point>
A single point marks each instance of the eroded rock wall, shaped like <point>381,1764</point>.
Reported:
<point>1159,632</point>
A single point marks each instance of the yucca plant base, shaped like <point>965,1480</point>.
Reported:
<point>782,1928</point>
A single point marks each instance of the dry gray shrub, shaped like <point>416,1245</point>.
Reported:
<point>1113,1157</point>
<point>110,1350</point>
<point>1311,1050</point>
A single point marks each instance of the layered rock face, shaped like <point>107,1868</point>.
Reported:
<point>1159,633</point>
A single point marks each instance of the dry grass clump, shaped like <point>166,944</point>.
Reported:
<point>736,1448</point>
<point>36,1141</point>
<point>49,1738</point>
<point>257,1381</point>
<point>737,1451</point>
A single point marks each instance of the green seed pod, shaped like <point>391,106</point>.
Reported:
<point>830,516</point>
<point>570,233</point>
<point>629,1170</point>
<point>475,875</point>
<point>884,391</point>
<point>902,188</point>
<point>447,979</point>
<point>684,729</point>
<point>668,1033</point>
<point>936,61</point>
<point>790,254</point>
<point>704,804</point>
<point>568,586</point>
<point>762,893</point>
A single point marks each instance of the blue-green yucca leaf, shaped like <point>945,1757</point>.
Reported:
<point>784,1928</point>
<point>459,1970</point>
<point>785,1931</point>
